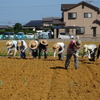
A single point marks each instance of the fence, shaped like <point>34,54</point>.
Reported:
<point>25,37</point>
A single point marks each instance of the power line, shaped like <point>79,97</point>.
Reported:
<point>30,6</point>
<point>89,1</point>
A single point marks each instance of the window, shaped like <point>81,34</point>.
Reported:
<point>72,15</point>
<point>80,30</point>
<point>48,24</point>
<point>87,15</point>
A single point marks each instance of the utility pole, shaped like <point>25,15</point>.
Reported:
<point>89,1</point>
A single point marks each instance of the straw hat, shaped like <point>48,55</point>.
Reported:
<point>9,44</point>
<point>85,48</point>
<point>33,44</point>
<point>78,43</point>
<point>56,46</point>
<point>44,42</point>
<point>19,43</point>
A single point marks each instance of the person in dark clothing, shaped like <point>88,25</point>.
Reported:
<point>98,51</point>
<point>33,46</point>
<point>43,47</point>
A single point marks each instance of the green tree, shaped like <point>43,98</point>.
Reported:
<point>17,27</point>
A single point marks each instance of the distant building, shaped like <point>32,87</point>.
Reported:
<point>33,25</point>
<point>81,19</point>
<point>3,27</point>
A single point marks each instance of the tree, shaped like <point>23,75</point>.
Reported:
<point>17,27</point>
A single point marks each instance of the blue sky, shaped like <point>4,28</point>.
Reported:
<point>23,11</point>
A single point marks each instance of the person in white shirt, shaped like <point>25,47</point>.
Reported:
<point>12,46</point>
<point>22,46</point>
<point>90,50</point>
<point>60,47</point>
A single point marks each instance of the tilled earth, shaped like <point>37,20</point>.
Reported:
<point>40,79</point>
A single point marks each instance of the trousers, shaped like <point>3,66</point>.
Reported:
<point>68,58</point>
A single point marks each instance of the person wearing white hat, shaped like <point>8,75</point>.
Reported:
<point>60,47</point>
<point>33,47</point>
<point>90,50</point>
<point>73,50</point>
<point>43,47</point>
<point>12,46</point>
<point>22,46</point>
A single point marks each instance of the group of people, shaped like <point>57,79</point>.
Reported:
<point>35,48</point>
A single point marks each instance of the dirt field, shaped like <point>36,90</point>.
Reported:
<point>34,79</point>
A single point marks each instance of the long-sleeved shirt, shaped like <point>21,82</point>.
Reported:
<point>71,49</point>
<point>14,47</point>
<point>90,50</point>
<point>25,45</point>
<point>61,49</point>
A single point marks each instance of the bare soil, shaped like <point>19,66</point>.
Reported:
<point>34,79</point>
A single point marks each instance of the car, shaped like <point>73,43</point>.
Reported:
<point>8,35</point>
<point>43,35</point>
<point>65,36</point>
<point>29,36</point>
<point>19,35</point>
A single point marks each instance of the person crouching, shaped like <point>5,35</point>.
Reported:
<point>60,47</point>
<point>33,47</point>
<point>22,46</point>
<point>43,47</point>
<point>12,46</point>
<point>90,50</point>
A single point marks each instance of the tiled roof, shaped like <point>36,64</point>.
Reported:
<point>33,23</point>
<point>58,22</point>
<point>66,7</point>
<point>4,26</point>
<point>50,18</point>
<point>97,21</point>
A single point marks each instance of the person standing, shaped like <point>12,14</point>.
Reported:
<point>60,47</point>
<point>90,50</point>
<point>33,46</point>
<point>12,46</point>
<point>43,47</point>
<point>73,50</point>
<point>22,46</point>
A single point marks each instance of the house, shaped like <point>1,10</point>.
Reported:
<point>81,19</point>
<point>48,22</point>
<point>33,25</point>
<point>3,27</point>
<point>44,24</point>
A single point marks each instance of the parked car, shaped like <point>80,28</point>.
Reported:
<point>43,35</point>
<point>65,36</point>
<point>8,35</point>
<point>29,36</point>
<point>19,35</point>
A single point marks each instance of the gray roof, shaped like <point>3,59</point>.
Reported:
<point>50,18</point>
<point>4,26</point>
<point>58,22</point>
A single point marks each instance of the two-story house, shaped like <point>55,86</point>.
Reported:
<point>81,19</point>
